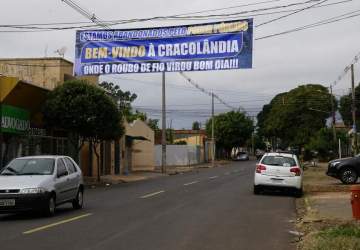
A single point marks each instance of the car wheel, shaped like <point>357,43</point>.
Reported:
<point>78,202</point>
<point>50,207</point>
<point>257,190</point>
<point>348,176</point>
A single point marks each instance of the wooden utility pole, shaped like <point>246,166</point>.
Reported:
<point>163,130</point>
<point>212,132</point>
<point>333,114</point>
<point>353,107</point>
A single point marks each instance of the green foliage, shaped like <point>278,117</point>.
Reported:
<point>84,110</point>
<point>196,125</point>
<point>153,124</point>
<point>232,129</point>
<point>124,100</point>
<point>342,237</point>
<point>296,116</point>
<point>322,143</point>
<point>345,108</point>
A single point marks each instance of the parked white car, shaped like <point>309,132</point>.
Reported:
<point>40,183</point>
<point>279,170</point>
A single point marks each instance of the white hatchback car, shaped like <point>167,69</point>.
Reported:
<point>279,170</point>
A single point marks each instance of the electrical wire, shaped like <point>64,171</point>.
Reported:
<point>107,24</point>
<point>292,13</point>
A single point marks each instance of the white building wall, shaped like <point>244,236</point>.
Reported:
<point>178,155</point>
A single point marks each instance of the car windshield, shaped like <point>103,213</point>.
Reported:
<point>279,161</point>
<point>31,166</point>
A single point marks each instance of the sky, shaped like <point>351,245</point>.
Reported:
<point>317,55</point>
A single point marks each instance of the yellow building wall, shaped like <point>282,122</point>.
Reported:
<point>143,152</point>
<point>192,140</point>
<point>44,72</point>
<point>7,84</point>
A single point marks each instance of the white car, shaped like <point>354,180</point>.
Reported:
<point>279,170</point>
<point>40,183</point>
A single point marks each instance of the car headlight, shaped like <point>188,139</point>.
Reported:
<point>335,163</point>
<point>32,191</point>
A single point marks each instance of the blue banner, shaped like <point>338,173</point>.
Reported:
<point>212,46</point>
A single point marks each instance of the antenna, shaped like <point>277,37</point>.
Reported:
<point>61,51</point>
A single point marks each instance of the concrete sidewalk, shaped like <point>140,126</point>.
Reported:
<point>325,198</point>
<point>144,175</point>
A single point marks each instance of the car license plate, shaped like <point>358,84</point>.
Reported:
<point>7,203</point>
<point>276,180</point>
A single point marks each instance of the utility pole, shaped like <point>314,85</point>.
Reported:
<point>212,131</point>
<point>353,107</point>
<point>333,113</point>
<point>163,131</point>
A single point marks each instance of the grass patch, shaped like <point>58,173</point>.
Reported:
<point>342,237</point>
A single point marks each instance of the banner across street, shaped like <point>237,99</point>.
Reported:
<point>200,47</point>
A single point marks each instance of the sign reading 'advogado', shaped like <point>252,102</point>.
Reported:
<point>200,47</point>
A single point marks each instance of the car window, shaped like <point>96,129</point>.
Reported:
<point>61,167</point>
<point>279,161</point>
<point>70,165</point>
<point>30,166</point>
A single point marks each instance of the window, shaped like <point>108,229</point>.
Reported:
<point>70,165</point>
<point>279,161</point>
<point>30,166</point>
<point>61,169</point>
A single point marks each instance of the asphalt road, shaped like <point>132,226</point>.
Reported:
<point>208,209</point>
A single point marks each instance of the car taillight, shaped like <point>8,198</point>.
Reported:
<point>260,168</point>
<point>295,170</point>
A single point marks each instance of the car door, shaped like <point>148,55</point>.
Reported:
<point>74,178</point>
<point>61,181</point>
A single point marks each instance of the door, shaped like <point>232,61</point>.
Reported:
<point>74,177</point>
<point>62,181</point>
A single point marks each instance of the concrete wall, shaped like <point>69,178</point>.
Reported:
<point>44,72</point>
<point>47,72</point>
<point>178,155</point>
<point>142,150</point>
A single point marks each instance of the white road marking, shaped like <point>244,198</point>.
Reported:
<point>213,177</point>
<point>152,194</point>
<point>56,224</point>
<point>190,183</point>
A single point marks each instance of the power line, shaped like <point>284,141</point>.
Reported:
<point>346,70</point>
<point>19,26</point>
<point>319,23</point>
<point>206,91</point>
<point>293,13</point>
<point>107,24</point>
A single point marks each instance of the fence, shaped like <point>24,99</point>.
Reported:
<point>178,155</point>
<point>17,146</point>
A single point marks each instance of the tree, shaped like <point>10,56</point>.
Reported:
<point>85,111</point>
<point>124,100</point>
<point>153,124</point>
<point>294,117</point>
<point>196,125</point>
<point>345,108</point>
<point>232,129</point>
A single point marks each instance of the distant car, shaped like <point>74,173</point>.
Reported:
<point>278,170</point>
<point>241,156</point>
<point>40,183</point>
<point>347,170</point>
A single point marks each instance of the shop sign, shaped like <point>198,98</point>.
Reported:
<point>14,120</point>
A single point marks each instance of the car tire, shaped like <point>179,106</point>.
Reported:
<point>78,202</point>
<point>348,176</point>
<point>298,193</point>
<point>257,190</point>
<point>50,206</point>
